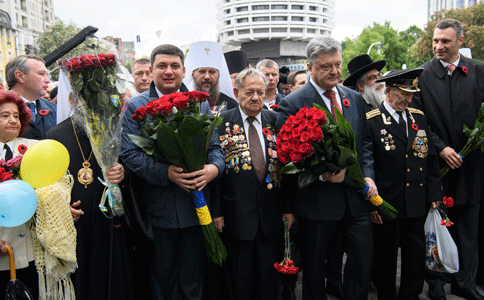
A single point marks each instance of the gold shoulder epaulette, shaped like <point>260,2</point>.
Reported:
<point>373,113</point>
<point>415,111</point>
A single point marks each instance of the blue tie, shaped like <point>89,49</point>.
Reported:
<point>32,109</point>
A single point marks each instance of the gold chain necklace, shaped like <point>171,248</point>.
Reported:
<point>85,174</point>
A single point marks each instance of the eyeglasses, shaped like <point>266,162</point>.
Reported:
<point>373,77</point>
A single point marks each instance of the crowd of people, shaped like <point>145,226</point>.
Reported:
<point>407,124</point>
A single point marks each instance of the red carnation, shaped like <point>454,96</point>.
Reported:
<point>446,222</point>
<point>448,201</point>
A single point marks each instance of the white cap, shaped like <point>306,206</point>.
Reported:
<point>207,54</point>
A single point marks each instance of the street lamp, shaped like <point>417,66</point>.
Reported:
<point>379,47</point>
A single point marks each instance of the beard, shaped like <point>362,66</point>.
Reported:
<point>373,96</point>
<point>213,91</point>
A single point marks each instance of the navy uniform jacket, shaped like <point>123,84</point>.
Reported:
<point>169,206</point>
<point>405,169</point>
<point>45,119</point>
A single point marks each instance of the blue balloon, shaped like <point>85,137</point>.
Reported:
<point>18,202</point>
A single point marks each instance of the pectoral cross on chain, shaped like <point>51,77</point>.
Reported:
<point>207,49</point>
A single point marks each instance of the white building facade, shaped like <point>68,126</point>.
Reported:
<point>276,29</point>
<point>29,18</point>
<point>438,5</point>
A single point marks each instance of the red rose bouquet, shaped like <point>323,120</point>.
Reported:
<point>286,266</point>
<point>310,144</point>
<point>11,169</point>
<point>475,138</point>
<point>97,88</point>
<point>175,131</point>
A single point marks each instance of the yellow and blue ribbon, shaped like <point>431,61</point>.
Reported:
<point>202,209</point>
<point>106,196</point>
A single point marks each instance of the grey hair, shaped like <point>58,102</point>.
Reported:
<point>453,23</point>
<point>321,44</point>
<point>267,63</point>
<point>168,50</point>
<point>19,63</point>
<point>360,80</point>
<point>249,72</point>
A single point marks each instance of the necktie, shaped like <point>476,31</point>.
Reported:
<point>32,109</point>
<point>401,122</point>
<point>255,148</point>
<point>451,68</point>
<point>331,95</point>
<point>9,154</point>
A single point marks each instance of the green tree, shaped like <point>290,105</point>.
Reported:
<point>472,19</point>
<point>58,34</point>
<point>394,48</point>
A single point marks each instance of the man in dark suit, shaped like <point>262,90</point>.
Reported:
<point>28,77</point>
<point>249,209</point>
<point>402,161</point>
<point>451,93</point>
<point>327,204</point>
<point>177,265</point>
<point>364,72</point>
<point>271,70</point>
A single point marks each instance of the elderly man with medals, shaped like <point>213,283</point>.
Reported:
<point>401,159</point>
<point>249,207</point>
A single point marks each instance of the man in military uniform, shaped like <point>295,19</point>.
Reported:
<point>401,160</point>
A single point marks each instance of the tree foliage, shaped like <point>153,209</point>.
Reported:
<point>472,19</point>
<point>58,34</point>
<point>394,48</point>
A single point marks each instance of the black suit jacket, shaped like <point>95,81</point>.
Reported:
<point>449,103</point>
<point>404,179</point>
<point>244,201</point>
<point>320,200</point>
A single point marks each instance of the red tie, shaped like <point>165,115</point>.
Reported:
<point>451,68</point>
<point>331,95</point>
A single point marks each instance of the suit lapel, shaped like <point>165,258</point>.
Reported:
<point>412,133</point>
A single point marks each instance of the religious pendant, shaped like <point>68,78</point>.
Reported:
<point>85,174</point>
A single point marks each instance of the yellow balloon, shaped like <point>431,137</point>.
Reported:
<point>44,163</point>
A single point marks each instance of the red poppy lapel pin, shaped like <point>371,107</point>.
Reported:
<point>22,148</point>
<point>346,102</point>
<point>43,112</point>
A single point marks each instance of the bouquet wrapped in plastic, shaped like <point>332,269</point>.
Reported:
<point>96,90</point>
<point>180,135</point>
<point>310,144</point>
<point>475,139</point>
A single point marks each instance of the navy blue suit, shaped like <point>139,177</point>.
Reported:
<point>45,119</point>
<point>177,265</point>
<point>322,206</point>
